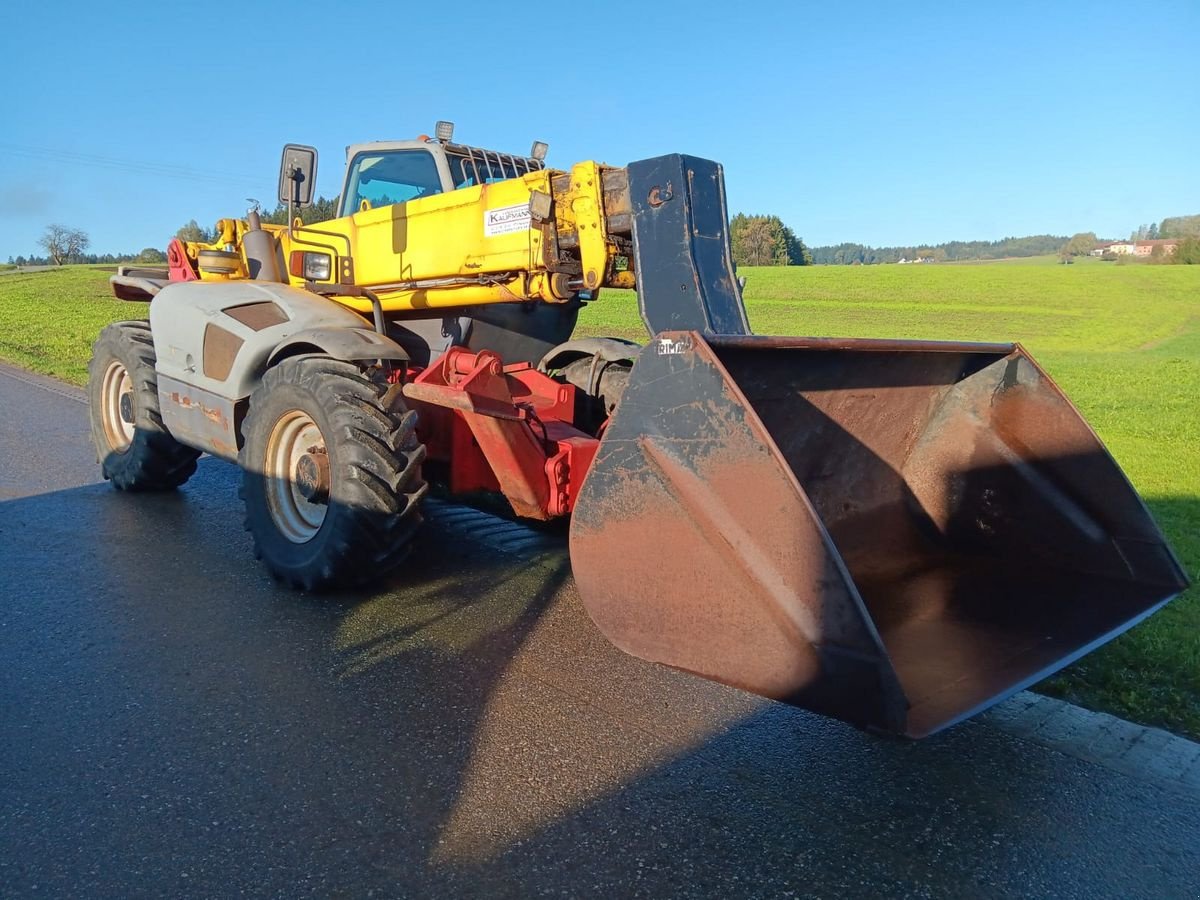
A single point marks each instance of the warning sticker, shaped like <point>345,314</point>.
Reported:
<point>506,220</point>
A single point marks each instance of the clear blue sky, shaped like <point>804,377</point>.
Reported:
<point>881,123</point>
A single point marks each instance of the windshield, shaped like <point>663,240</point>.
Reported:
<point>384,177</point>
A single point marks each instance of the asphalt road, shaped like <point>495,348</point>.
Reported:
<point>174,724</point>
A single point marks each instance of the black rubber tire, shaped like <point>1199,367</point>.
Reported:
<point>592,409</point>
<point>153,460</point>
<point>374,465</point>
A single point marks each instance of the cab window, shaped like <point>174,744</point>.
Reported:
<point>485,167</point>
<point>390,176</point>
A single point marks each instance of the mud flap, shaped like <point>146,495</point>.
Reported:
<point>896,534</point>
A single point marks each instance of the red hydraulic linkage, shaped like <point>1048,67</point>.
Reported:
<point>178,264</point>
<point>506,428</point>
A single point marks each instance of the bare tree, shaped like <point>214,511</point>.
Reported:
<point>77,242</point>
<point>55,242</point>
<point>63,243</point>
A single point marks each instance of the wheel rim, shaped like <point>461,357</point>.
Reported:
<point>294,437</point>
<point>116,392</point>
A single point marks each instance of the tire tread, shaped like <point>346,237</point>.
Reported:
<point>377,484</point>
<point>154,461</point>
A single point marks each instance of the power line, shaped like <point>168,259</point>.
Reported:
<point>165,170</point>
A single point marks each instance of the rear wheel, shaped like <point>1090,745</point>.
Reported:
<point>331,473</point>
<point>599,368</point>
<point>601,385</point>
<point>136,451</point>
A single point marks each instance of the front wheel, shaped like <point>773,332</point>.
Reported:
<point>136,451</point>
<point>331,473</point>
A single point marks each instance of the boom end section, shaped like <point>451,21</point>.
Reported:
<point>684,261</point>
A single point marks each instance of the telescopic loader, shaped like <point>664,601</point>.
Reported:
<point>894,533</point>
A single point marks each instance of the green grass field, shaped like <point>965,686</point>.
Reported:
<point>1047,259</point>
<point>1122,341</point>
<point>49,318</point>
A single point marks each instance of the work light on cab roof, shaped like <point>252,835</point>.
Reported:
<point>443,132</point>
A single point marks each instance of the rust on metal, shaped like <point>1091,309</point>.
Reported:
<point>895,533</point>
<point>199,418</point>
<point>659,195</point>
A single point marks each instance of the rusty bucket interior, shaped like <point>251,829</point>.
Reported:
<point>897,534</point>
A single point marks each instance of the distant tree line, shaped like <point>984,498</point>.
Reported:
<point>149,255</point>
<point>1180,227</point>
<point>861,254</point>
<point>67,245</point>
<point>322,210</point>
<point>1171,227</point>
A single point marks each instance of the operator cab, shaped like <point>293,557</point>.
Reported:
<point>381,173</point>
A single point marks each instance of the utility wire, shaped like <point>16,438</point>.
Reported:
<point>90,160</point>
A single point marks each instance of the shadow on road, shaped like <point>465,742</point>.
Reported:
<point>166,709</point>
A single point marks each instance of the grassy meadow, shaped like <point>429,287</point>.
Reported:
<point>49,318</point>
<point>1122,341</point>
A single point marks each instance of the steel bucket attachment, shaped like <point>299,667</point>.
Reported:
<point>897,534</point>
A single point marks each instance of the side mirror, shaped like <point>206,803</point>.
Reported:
<point>297,175</point>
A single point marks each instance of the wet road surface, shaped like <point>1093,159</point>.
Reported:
<point>172,723</point>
